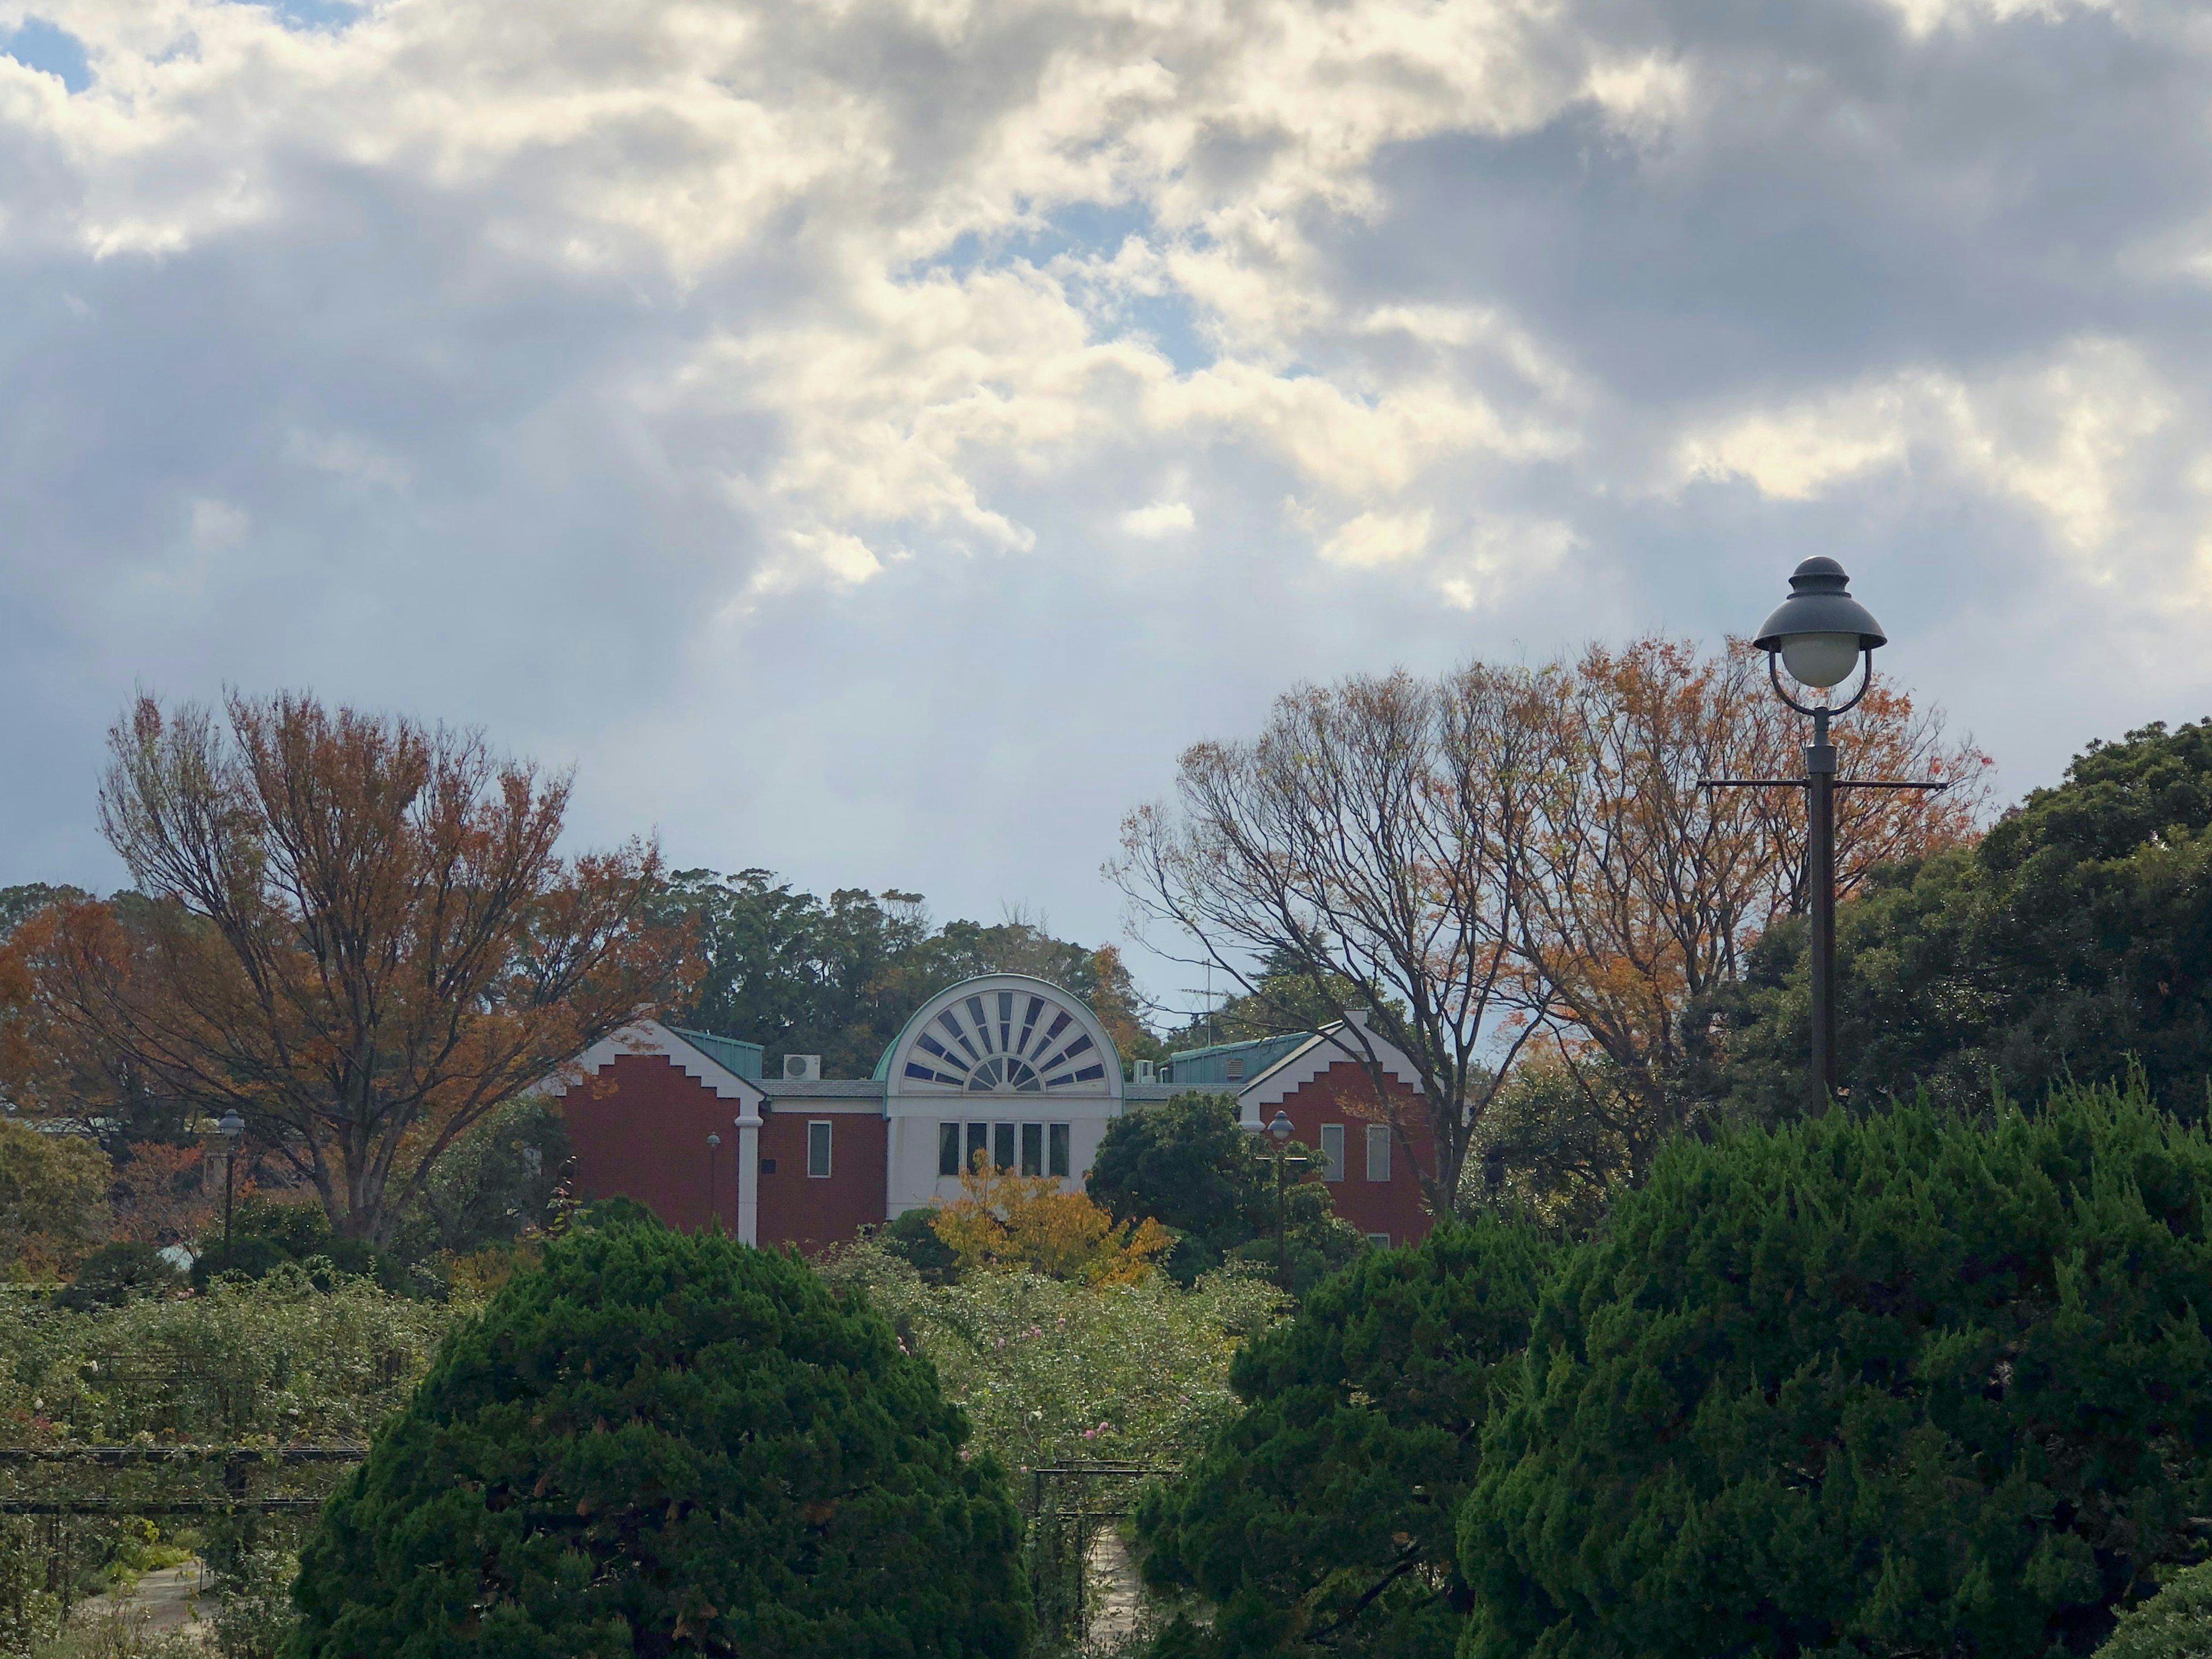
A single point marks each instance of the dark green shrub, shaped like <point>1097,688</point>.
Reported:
<point>1906,1385</point>
<point>2175,1624</point>
<point>1188,1164</point>
<point>265,1236</point>
<point>658,1442</point>
<point>914,1242</point>
<point>116,1272</point>
<point>1325,1511</point>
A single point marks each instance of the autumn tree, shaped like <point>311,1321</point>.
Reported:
<point>1647,887</point>
<point>1369,849</point>
<point>1504,856</point>
<point>355,930</point>
<point>1002,1219</point>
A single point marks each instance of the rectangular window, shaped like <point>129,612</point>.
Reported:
<point>1332,1151</point>
<point>1380,1241</point>
<point>1378,1152</point>
<point>948,1149</point>
<point>1032,1149</point>
<point>979,1145</point>
<point>1236,1069</point>
<point>817,1149</point>
<point>1060,1161</point>
<point>1002,1146</point>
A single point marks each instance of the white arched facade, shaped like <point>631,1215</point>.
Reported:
<point>1006,1065</point>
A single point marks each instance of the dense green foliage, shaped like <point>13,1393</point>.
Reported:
<point>2175,1624</point>
<point>838,978</point>
<point>1909,1384</point>
<point>118,1271</point>
<point>658,1440</point>
<point>1049,1370</point>
<point>1324,1511</point>
<point>268,1362</point>
<point>2074,941</point>
<point>264,1235</point>
<point>53,1191</point>
<point>1188,1164</point>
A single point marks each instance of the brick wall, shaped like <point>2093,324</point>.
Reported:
<point>1344,1095</point>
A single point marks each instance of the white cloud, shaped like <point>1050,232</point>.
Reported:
<point>2065,437</point>
<point>217,524</point>
<point>1159,518</point>
<point>1377,538</point>
<point>590,367</point>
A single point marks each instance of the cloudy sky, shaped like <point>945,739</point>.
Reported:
<point>870,438</point>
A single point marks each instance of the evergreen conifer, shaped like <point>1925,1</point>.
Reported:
<point>661,1443</point>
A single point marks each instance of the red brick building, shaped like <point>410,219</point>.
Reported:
<point>685,1122</point>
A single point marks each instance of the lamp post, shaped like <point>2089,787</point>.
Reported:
<point>1822,635</point>
<point>713,1142</point>
<point>231,1128</point>
<point>1279,1130</point>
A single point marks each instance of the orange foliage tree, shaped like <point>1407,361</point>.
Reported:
<point>354,929</point>
<point>1002,1219</point>
<point>1499,857</point>
<point>1649,888</point>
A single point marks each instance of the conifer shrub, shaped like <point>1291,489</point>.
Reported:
<point>659,1442</point>
<point>1324,1511</point>
<point>1912,1384</point>
<point>2174,1624</point>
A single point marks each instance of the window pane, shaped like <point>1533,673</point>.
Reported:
<point>948,1149</point>
<point>1332,1151</point>
<point>1032,1149</point>
<point>1002,1145</point>
<point>979,1142</point>
<point>1380,1241</point>
<point>1059,1164</point>
<point>817,1150</point>
<point>1378,1152</point>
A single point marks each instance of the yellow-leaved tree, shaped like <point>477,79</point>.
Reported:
<point>1002,1219</point>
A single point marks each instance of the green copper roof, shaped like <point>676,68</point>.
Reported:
<point>1209,1067</point>
<point>731,1054</point>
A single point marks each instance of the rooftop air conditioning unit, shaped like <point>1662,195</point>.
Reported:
<point>1148,1071</point>
<point>802,1068</point>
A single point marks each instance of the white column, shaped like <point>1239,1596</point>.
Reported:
<point>749,1129</point>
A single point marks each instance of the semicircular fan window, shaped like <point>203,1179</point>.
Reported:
<point>1005,1043</point>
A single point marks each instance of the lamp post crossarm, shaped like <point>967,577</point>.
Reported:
<point>1799,783</point>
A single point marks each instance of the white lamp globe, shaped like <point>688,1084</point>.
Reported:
<point>1821,660</point>
<point>1820,630</point>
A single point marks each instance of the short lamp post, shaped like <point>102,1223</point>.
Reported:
<point>713,1142</point>
<point>1279,1133</point>
<point>231,1128</point>
<point>1822,635</point>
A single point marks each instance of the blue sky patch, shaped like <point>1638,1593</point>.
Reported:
<point>315,14</point>
<point>40,45</point>
<point>1084,230</point>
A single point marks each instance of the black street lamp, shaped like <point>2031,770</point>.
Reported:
<point>1822,635</point>
<point>713,1142</point>
<point>232,1126</point>
<point>1279,1131</point>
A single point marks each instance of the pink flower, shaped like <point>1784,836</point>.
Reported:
<point>1090,1434</point>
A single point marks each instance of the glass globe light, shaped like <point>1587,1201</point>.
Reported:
<point>1821,660</point>
<point>1280,1128</point>
<point>1820,630</point>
